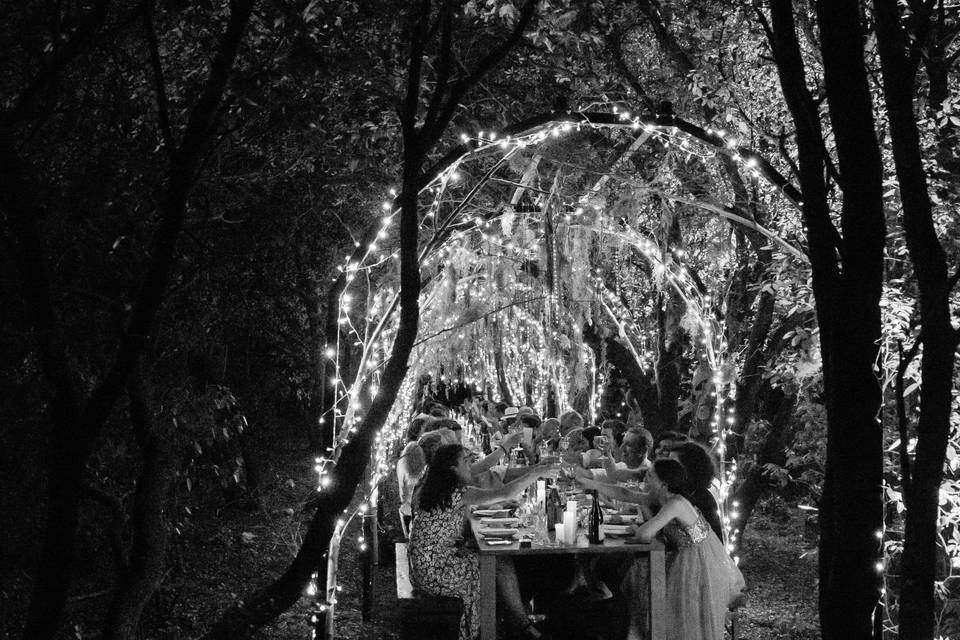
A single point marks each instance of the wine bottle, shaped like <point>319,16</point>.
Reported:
<point>485,441</point>
<point>554,512</point>
<point>594,531</point>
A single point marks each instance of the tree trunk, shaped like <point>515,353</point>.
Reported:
<point>77,424</point>
<point>150,525</point>
<point>752,487</point>
<point>502,384</point>
<point>644,391</point>
<point>848,312</point>
<point>917,602</point>
<point>670,349</point>
<point>241,621</point>
<point>851,512</point>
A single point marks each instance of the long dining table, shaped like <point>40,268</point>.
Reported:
<point>653,552</point>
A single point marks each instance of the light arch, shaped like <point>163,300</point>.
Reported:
<point>459,226</point>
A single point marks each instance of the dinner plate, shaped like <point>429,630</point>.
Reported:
<point>499,532</point>
<point>617,529</point>
<point>503,522</point>
<point>497,541</point>
<point>492,512</point>
<point>617,518</point>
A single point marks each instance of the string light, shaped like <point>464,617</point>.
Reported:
<point>536,356</point>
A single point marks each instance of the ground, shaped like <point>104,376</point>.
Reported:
<point>224,553</point>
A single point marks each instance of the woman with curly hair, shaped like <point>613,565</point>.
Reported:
<point>698,464</point>
<point>440,564</point>
<point>702,580</point>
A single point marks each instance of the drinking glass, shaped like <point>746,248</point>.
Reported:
<point>528,518</point>
<point>540,534</point>
<point>564,444</point>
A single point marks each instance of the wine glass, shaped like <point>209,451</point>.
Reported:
<point>528,514</point>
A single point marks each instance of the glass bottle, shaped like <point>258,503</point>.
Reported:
<point>554,510</point>
<point>594,530</point>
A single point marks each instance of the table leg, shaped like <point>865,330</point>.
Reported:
<point>488,597</point>
<point>658,588</point>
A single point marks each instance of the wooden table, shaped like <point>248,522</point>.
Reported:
<point>488,572</point>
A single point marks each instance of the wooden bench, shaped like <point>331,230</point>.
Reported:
<point>424,617</point>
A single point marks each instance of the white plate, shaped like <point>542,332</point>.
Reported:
<point>491,512</point>
<point>499,532</point>
<point>502,522</point>
<point>617,529</point>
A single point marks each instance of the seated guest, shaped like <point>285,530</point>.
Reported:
<point>700,471</point>
<point>569,421</point>
<point>438,410</point>
<point>433,440</point>
<point>528,426</point>
<point>576,444</point>
<point>661,446</point>
<point>590,433</point>
<point>487,471</point>
<point>410,467</point>
<point>509,417</point>
<point>702,580</point>
<point>449,423</point>
<point>613,430</point>
<point>490,420</point>
<point>549,434</point>
<point>633,462</point>
<point>439,563</point>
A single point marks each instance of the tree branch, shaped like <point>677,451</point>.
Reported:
<point>486,64</point>
<point>823,235</point>
<point>614,43</point>
<point>160,86</point>
<point>408,109</point>
<point>183,163</point>
<point>443,70</point>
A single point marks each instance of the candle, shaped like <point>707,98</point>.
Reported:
<point>570,527</point>
<point>541,494</point>
<point>571,506</point>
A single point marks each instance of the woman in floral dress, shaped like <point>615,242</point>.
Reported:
<point>702,580</point>
<point>439,562</point>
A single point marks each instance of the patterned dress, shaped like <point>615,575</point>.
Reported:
<point>702,581</point>
<point>440,566</point>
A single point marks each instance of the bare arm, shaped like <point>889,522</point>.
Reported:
<point>620,475</point>
<point>479,496</point>
<point>676,508</point>
<point>496,455</point>
<point>487,461</point>
<point>614,492</point>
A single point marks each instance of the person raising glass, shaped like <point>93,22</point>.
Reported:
<point>439,562</point>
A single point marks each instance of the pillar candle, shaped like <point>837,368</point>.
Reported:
<point>570,527</point>
<point>571,506</point>
<point>541,494</point>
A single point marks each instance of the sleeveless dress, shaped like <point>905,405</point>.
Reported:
<point>702,581</point>
<point>438,566</point>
